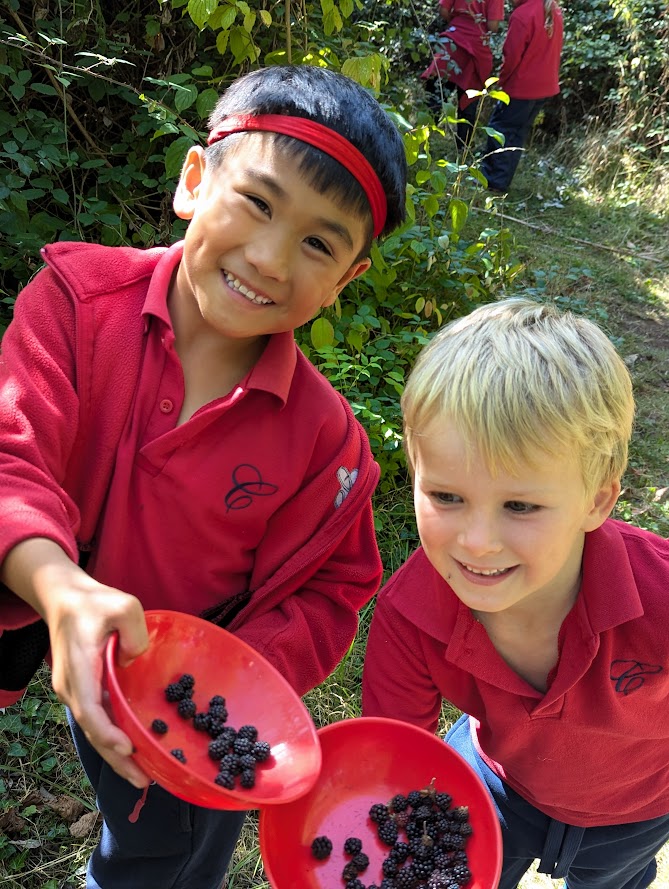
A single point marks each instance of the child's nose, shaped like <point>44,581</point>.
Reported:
<point>480,535</point>
<point>270,255</point>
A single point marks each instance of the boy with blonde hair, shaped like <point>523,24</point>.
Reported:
<point>526,606</point>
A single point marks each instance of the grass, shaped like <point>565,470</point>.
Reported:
<point>591,235</point>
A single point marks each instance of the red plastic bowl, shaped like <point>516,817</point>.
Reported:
<point>255,693</point>
<point>366,761</point>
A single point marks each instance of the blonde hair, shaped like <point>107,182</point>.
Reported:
<point>520,379</point>
<point>549,8</point>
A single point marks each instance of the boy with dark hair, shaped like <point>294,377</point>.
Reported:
<point>156,412</point>
<point>526,606</point>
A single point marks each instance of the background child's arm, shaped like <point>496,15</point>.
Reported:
<point>80,614</point>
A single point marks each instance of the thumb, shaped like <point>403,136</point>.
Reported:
<point>133,639</point>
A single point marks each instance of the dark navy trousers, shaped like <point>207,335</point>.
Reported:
<point>163,844</point>
<point>514,121</point>
<point>620,856</point>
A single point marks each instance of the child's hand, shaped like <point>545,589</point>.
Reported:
<point>81,614</point>
<point>81,617</point>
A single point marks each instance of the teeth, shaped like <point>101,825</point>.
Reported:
<point>486,572</point>
<point>251,295</point>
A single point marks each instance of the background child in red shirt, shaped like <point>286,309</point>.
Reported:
<point>530,76</point>
<point>535,614</point>
<point>156,412</point>
<point>465,60</point>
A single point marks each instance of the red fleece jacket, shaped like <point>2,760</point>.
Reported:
<point>68,370</point>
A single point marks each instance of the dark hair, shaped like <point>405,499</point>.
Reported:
<point>336,102</point>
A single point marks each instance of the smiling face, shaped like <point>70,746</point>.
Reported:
<point>263,251</point>
<point>503,542</point>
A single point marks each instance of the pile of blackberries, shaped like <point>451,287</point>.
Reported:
<point>426,837</point>
<point>237,751</point>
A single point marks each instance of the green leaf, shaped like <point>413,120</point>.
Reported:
<point>266,17</point>
<point>200,10</point>
<point>354,339</point>
<point>322,333</point>
<point>500,95</point>
<point>206,101</point>
<point>228,17</point>
<point>175,154</point>
<point>17,749</point>
<point>185,97</point>
<point>44,88</point>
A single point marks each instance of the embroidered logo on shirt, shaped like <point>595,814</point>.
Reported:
<point>346,481</point>
<point>247,484</point>
<point>629,676</point>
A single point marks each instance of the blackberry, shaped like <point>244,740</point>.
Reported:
<point>439,879</point>
<point>247,762</point>
<point>216,727</point>
<point>460,813</point>
<point>443,801</point>
<point>217,750</point>
<point>387,832</point>
<point>355,883</point>
<point>218,711</point>
<point>186,708</point>
<point>186,680</point>
<point>174,692</point>
<point>201,722</point>
<point>177,753</point>
<point>261,750</point>
<point>461,874</point>
<point>350,872</point>
<point>231,763</point>
<point>466,830</point>
<point>321,848</point>
<point>398,803</point>
<point>248,731</point>
<point>415,798</point>
<point>216,700</point>
<point>361,862</point>
<point>242,745</point>
<point>422,813</point>
<point>402,818</point>
<point>159,726</point>
<point>405,879</point>
<point>225,779</point>
<point>422,869</point>
<point>228,735</point>
<point>352,846</point>
<point>379,813</point>
<point>400,851</point>
<point>247,778</point>
<point>389,867</point>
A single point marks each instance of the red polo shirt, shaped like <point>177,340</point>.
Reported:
<point>592,750</point>
<point>189,505</point>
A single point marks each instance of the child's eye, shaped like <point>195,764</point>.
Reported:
<point>260,204</point>
<point>445,497</point>
<point>317,244</point>
<point>518,506</point>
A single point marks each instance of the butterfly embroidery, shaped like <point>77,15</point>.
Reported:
<point>346,481</point>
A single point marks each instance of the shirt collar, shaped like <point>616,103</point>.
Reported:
<point>274,370</point>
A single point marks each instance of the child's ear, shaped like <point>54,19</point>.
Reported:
<point>357,269</point>
<point>602,504</point>
<point>192,173</point>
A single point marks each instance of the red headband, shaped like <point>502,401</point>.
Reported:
<point>319,136</point>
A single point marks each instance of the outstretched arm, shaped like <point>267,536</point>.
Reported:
<point>80,614</point>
